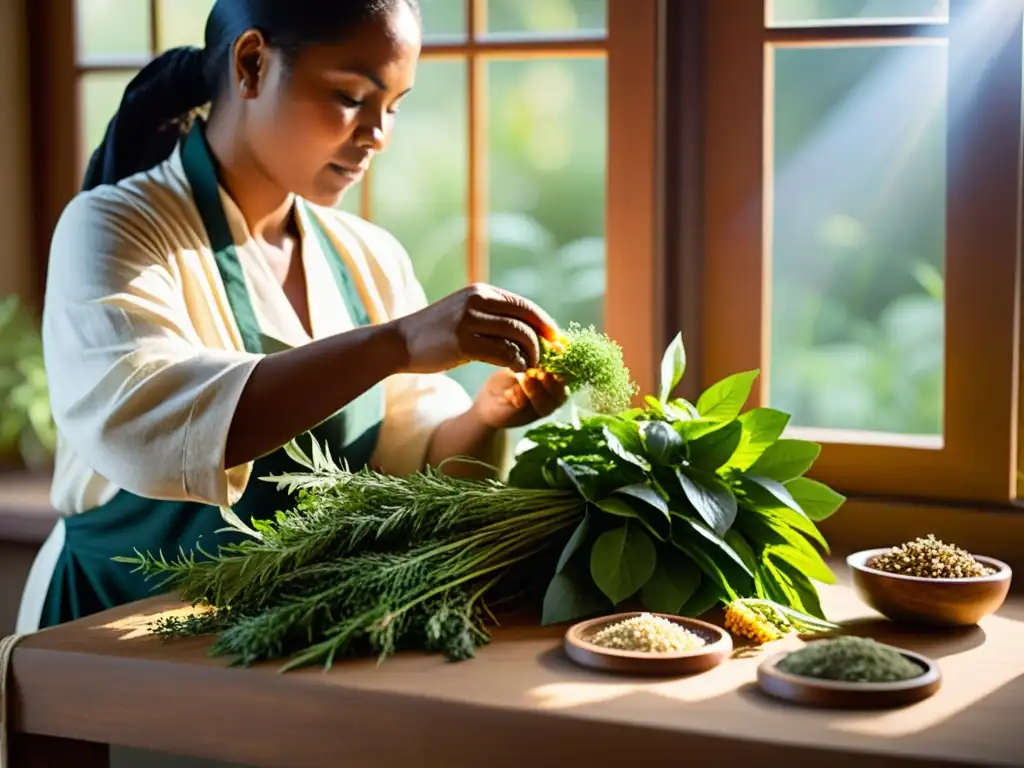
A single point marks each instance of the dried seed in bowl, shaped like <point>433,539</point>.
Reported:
<point>931,559</point>
<point>649,634</point>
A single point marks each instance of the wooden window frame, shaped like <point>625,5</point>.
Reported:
<point>631,205</point>
<point>979,459</point>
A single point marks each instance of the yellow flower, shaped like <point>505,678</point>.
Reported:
<point>744,621</point>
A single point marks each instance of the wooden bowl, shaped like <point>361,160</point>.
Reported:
<point>938,602</point>
<point>834,694</point>
<point>579,648</point>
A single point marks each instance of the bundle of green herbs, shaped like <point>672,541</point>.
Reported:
<point>364,563</point>
<point>676,506</point>
<point>688,505</point>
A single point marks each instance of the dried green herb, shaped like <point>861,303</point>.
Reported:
<point>592,367</point>
<point>851,660</point>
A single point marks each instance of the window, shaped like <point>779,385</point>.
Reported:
<point>862,165</point>
<point>524,156</point>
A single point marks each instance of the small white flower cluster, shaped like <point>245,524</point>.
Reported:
<point>648,633</point>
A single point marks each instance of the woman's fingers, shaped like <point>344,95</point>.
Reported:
<point>480,323</point>
<point>500,352</point>
<point>544,394</point>
<point>495,301</point>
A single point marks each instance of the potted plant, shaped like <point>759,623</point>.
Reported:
<point>27,433</point>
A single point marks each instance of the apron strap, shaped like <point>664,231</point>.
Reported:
<point>197,162</point>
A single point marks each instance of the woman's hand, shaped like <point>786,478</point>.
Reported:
<point>478,323</point>
<point>509,400</point>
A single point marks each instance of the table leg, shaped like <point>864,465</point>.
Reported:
<point>31,751</point>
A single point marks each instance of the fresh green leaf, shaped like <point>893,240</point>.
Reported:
<point>237,524</point>
<point>655,405</point>
<point>707,597</point>
<point>725,399</point>
<point>553,434</point>
<point>578,477</point>
<point>578,538</point>
<point>624,441</point>
<point>656,523</point>
<point>570,596</point>
<point>621,561</point>
<point>682,404</point>
<point>645,493</point>
<point>801,593</point>
<point>710,497</point>
<point>674,414</point>
<point>766,493</point>
<point>720,562</point>
<point>787,517</point>
<point>674,581</point>
<point>716,448</point>
<point>720,545</point>
<point>761,428</point>
<point>663,445</point>
<point>817,500</point>
<point>698,428</point>
<point>783,542</point>
<point>786,460</point>
<point>528,471</point>
<point>742,548</point>
<point>673,366</point>
<point>296,454</point>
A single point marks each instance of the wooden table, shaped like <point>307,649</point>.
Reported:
<point>103,680</point>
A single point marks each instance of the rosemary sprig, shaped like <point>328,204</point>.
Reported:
<point>363,562</point>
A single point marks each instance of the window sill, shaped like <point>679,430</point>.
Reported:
<point>25,512</point>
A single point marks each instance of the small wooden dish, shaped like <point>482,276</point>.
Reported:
<point>834,694</point>
<point>579,648</point>
<point>938,602</point>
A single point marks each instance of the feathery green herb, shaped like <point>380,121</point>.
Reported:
<point>592,367</point>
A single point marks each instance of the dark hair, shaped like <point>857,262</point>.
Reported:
<point>159,101</point>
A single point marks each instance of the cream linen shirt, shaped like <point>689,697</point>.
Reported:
<point>145,362</point>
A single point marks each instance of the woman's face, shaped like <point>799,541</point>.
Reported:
<point>315,125</point>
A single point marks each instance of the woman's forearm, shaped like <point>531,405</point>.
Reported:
<point>290,392</point>
<point>467,435</point>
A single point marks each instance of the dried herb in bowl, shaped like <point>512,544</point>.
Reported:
<point>851,660</point>
<point>929,558</point>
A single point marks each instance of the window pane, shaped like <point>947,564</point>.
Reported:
<point>443,19</point>
<point>182,22</point>
<point>418,185</point>
<point>112,27</point>
<point>548,149</point>
<point>100,95</point>
<point>547,17</point>
<point>859,225</point>
<point>815,13</point>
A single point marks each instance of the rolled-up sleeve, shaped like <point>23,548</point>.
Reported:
<point>134,390</point>
<point>417,404</point>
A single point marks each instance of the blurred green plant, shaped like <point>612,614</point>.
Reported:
<point>26,422</point>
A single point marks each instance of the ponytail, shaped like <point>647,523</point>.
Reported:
<point>148,123</point>
<point>159,101</point>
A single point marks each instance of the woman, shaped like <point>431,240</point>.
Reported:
<point>206,305</point>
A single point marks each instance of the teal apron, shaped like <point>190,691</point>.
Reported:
<point>86,580</point>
